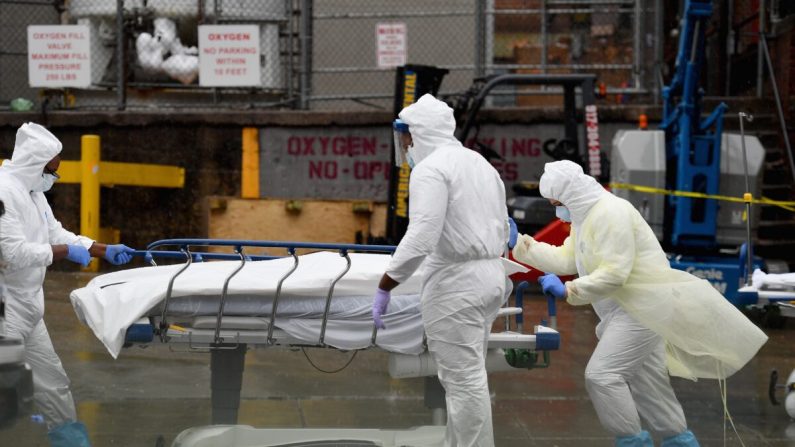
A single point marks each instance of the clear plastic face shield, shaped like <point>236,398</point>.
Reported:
<point>399,131</point>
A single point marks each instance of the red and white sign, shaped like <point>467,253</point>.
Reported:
<point>59,56</point>
<point>390,44</point>
<point>229,56</point>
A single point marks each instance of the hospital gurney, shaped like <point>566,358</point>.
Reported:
<point>769,297</point>
<point>319,300</point>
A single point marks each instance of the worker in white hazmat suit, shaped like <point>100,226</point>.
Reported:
<point>30,240</point>
<point>458,228</point>
<point>655,320</point>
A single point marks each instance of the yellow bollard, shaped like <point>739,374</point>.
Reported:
<point>89,191</point>
<point>249,188</point>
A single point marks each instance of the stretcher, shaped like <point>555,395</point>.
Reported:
<point>222,303</point>
<point>769,297</point>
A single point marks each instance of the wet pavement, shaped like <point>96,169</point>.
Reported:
<point>154,391</point>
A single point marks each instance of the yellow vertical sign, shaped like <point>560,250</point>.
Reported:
<point>402,207</point>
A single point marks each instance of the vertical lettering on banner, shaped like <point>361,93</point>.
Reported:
<point>594,147</point>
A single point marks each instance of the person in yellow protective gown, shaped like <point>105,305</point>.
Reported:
<point>655,320</point>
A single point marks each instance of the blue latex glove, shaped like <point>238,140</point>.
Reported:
<point>379,307</point>
<point>513,235</point>
<point>118,254</point>
<point>552,286</point>
<point>78,254</point>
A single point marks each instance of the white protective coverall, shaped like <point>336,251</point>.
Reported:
<point>652,316</point>
<point>458,226</point>
<point>27,231</point>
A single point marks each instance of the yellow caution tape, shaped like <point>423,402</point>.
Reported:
<point>787,205</point>
<point>177,328</point>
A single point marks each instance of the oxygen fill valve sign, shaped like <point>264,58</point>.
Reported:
<point>229,56</point>
<point>59,56</point>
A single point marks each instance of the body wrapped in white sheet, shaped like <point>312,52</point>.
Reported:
<point>761,280</point>
<point>110,303</point>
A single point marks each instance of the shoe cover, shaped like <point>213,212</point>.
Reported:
<point>684,439</point>
<point>71,434</point>
<point>641,439</point>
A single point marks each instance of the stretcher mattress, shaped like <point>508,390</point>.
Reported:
<point>110,303</point>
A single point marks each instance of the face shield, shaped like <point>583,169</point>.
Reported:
<point>399,129</point>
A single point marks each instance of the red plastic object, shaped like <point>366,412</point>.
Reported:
<point>554,233</point>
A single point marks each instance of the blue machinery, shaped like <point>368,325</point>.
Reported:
<point>228,349</point>
<point>693,150</point>
<point>692,144</point>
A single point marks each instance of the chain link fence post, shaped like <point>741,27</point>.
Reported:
<point>306,53</point>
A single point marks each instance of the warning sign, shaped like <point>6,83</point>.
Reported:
<point>390,44</point>
<point>59,56</point>
<point>229,56</point>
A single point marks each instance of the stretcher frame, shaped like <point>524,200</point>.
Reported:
<point>228,347</point>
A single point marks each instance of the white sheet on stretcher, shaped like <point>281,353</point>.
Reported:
<point>110,303</point>
<point>762,280</point>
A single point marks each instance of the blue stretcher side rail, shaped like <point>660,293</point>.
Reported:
<point>185,245</point>
<point>188,251</point>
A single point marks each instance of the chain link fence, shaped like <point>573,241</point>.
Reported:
<point>248,58</point>
<point>15,16</point>
<point>615,39</point>
<point>358,44</point>
<point>342,54</point>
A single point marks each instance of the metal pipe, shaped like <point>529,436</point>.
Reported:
<point>733,33</point>
<point>169,291</point>
<point>290,47</point>
<point>278,293</point>
<point>331,294</point>
<point>636,56</point>
<point>480,40</point>
<point>658,52</point>
<point>390,15</point>
<point>760,57</point>
<point>121,89</point>
<point>544,37</point>
<point>779,108</point>
<point>530,11</point>
<point>747,196</point>
<point>489,53</point>
<point>217,338</point>
<point>305,40</point>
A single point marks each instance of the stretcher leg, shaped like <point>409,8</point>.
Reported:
<point>226,370</point>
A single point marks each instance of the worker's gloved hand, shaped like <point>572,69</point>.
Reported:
<point>78,254</point>
<point>552,286</point>
<point>513,234</point>
<point>118,254</point>
<point>379,307</point>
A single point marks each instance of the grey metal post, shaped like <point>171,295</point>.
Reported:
<point>306,53</point>
<point>760,60</point>
<point>226,381</point>
<point>121,85</point>
<point>749,261</point>
<point>658,49</point>
<point>480,38</point>
<point>544,37</point>
<point>636,59</point>
<point>290,48</point>
<point>731,45</point>
<point>489,52</point>
<point>779,108</point>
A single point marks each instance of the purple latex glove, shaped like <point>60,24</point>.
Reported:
<point>379,307</point>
